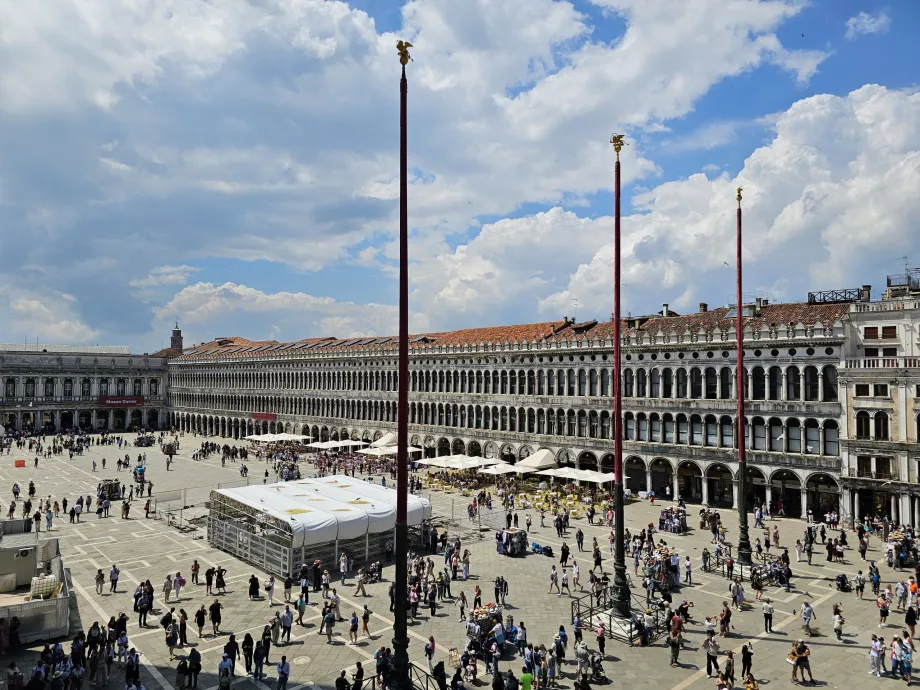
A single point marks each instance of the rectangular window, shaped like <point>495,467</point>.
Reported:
<point>831,441</point>
<point>697,432</point>
<point>643,430</point>
<point>794,433</point>
<point>812,440</point>
<point>863,466</point>
<point>760,436</point>
<point>682,431</point>
<point>889,332</point>
<point>68,388</point>
<point>862,389</point>
<point>870,333</point>
<point>883,468</point>
<point>880,390</point>
<point>727,440</point>
<point>712,433</point>
<point>669,431</point>
<point>889,352</point>
<point>656,429</point>
<point>871,352</point>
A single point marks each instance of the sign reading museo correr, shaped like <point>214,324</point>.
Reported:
<point>120,400</point>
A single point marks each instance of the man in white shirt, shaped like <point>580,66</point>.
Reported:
<point>767,616</point>
<point>284,672</point>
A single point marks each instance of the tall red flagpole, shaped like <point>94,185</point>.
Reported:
<point>744,539</point>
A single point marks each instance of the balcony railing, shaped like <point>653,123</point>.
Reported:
<point>865,474</point>
<point>883,363</point>
<point>863,307</point>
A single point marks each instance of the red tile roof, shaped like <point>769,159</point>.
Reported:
<point>778,314</point>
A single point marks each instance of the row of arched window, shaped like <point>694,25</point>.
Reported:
<point>67,388</point>
<point>773,383</point>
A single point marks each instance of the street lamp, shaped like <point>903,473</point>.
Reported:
<point>399,678</point>
<point>620,582</point>
<point>744,540</point>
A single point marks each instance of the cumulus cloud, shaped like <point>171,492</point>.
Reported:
<point>864,23</point>
<point>825,200</point>
<point>207,311</point>
<point>165,275</point>
<point>49,316</point>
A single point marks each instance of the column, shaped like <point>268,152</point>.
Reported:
<point>769,496</point>
<point>894,508</point>
<point>56,420</point>
<point>916,513</point>
<point>904,509</point>
<point>705,483</point>
<point>111,418</point>
<point>676,486</point>
<point>843,507</point>
<point>734,493</point>
<point>648,480</point>
<point>804,503</point>
<point>92,416</point>
<point>856,508</point>
<point>820,439</point>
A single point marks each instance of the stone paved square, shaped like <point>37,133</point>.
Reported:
<point>149,548</point>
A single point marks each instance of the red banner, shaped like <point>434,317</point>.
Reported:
<point>120,400</point>
<point>264,416</point>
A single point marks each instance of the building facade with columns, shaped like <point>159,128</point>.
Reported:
<point>62,387</point>
<point>880,382</point>
<point>506,392</point>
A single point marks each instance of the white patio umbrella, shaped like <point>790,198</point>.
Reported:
<point>502,468</point>
<point>389,450</point>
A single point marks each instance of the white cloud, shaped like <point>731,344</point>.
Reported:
<point>206,311</point>
<point>165,275</point>
<point>864,23</point>
<point>49,316</point>
<point>825,203</point>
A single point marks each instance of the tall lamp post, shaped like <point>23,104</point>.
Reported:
<point>620,592</point>
<point>400,679</point>
<point>744,540</point>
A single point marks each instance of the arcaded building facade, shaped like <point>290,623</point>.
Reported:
<point>508,391</point>
<point>55,388</point>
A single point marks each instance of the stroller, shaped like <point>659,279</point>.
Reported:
<point>843,583</point>
<point>597,669</point>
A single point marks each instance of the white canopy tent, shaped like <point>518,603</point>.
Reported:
<point>540,460</point>
<point>464,462</point>
<point>262,438</point>
<point>291,437</point>
<point>502,468</point>
<point>388,439</point>
<point>323,510</point>
<point>328,445</point>
<point>389,450</point>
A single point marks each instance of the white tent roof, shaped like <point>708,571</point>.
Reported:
<point>388,450</point>
<point>417,507</point>
<point>262,438</point>
<point>540,460</point>
<point>502,468</point>
<point>309,524</point>
<point>329,508</point>
<point>388,439</point>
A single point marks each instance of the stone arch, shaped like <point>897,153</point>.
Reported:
<point>823,494</point>
<point>662,476</point>
<point>366,436</point>
<point>608,463</point>
<point>443,447</point>
<point>458,447</point>
<point>377,435</point>
<point>333,434</point>
<point>490,450</point>
<point>690,482</point>
<point>524,451</point>
<point>786,486</point>
<point>587,461</point>
<point>563,459</point>
<point>756,487</point>
<point>720,485</point>
<point>355,435</point>
<point>634,470</point>
<point>474,449</point>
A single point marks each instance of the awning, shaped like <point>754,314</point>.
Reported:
<point>389,450</point>
<point>540,460</point>
<point>388,439</point>
<point>503,468</point>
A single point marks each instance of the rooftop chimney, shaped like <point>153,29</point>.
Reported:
<point>866,293</point>
<point>664,309</point>
<point>758,303</point>
<point>703,307</point>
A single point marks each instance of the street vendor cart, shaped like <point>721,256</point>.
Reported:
<point>110,489</point>
<point>511,541</point>
<point>140,473</point>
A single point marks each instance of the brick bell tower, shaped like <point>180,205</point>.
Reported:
<point>175,342</point>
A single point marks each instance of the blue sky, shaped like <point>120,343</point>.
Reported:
<point>233,165</point>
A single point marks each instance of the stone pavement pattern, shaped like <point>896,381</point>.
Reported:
<point>149,549</point>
